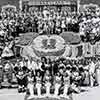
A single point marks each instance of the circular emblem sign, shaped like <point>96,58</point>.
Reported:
<point>48,45</point>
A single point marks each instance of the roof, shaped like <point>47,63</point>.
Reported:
<point>90,1</point>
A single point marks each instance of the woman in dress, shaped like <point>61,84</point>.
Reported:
<point>7,51</point>
<point>66,80</point>
<point>47,80</point>
<point>38,84</point>
<point>57,83</point>
<point>48,65</point>
<point>31,85</point>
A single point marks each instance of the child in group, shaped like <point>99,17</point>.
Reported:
<point>31,85</point>
<point>47,80</point>
<point>57,83</point>
<point>38,84</point>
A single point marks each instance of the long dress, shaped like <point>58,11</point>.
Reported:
<point>7,52</point>
<point>38,85</point>
<point>47,84</point>
<point>57,84</point>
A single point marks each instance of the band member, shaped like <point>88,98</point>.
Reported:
<point>31,85</point>
<point>47,80</point>
<point>57,83</point>
<point>38,84</point>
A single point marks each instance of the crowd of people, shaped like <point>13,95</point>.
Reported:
<point>45,78</point>
<point>60,77</point>
<point>90,24</point>
<point>47,20</point>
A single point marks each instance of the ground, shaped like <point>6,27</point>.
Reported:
<point>90,94</point>
<point>11,94</point>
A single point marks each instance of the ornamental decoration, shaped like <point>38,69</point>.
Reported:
<point>54,46</point>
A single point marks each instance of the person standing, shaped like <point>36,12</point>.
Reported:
<point>97,72</point>
<point>8,69</point>
<point>38,84</point>
<point>1,74</point>
<point>30,85</point>
<point>57,84</point>
<point>92,72</point>
<point>47,80</point>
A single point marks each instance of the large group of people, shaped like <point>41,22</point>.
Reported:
<point>47,20</point>
<point>47,78</point>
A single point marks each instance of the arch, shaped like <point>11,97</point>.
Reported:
<point>8,6</point>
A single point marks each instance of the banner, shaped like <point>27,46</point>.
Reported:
<point>54,46</point>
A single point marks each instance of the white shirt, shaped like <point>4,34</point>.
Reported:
<point>92,67</point>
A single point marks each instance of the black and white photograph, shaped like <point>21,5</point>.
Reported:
<point>49,49</point>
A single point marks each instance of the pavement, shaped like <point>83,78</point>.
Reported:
<point>11,94</point>
<point>89,94</point>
